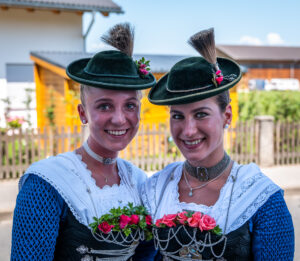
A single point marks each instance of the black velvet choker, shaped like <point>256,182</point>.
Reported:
<point>205,174</point>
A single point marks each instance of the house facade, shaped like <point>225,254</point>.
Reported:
<point>37,25</point>
<point>265,67</point>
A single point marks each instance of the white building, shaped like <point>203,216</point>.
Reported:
<point>38,25</point>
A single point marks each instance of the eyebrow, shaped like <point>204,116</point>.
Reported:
<point>193,111</point>
<point>110,100</point>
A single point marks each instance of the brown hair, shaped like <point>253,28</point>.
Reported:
<point>84,89</point>
<point>223,99</point>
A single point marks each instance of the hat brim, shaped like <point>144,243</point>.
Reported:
<point>159,94</point>
<point>76,72</point>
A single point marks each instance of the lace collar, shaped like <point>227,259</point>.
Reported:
<point>73,181</point>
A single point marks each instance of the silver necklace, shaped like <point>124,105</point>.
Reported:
<point>202,185</point>
<point>105,161</point>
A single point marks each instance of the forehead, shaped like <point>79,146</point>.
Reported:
<point>206,103</point>
<point>93,94</point>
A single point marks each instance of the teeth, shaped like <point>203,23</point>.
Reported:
<point>192,142</point>
<point>117,133</point>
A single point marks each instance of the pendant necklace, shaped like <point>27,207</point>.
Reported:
<point>210,174</point>
<point>105,161</point>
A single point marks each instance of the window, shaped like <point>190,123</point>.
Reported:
<point>19,72</point>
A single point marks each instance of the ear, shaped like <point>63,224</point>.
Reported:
<point>227,115</point>
<point>82,114</point>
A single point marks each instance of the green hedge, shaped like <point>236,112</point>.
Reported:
<point>283,105</point>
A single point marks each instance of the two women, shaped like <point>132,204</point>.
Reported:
<point>247,206</point>
<point>59,196</point>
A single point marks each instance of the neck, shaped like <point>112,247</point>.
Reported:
<point>205,174</point>
<point>97,157</point>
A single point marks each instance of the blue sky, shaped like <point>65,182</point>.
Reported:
<point>164,26</point>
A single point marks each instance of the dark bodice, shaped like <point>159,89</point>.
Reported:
<point>76,242</point>
<point>238,246</point>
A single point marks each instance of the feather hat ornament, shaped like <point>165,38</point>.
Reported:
<point>204,43</point>
<point>121,36</point>
<point>113,69</point>
<point>196,78</point>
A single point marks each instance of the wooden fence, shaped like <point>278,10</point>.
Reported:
<point>152,148</point>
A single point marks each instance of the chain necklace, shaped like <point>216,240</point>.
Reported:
<point>202,185</point>
<point>105,161</point>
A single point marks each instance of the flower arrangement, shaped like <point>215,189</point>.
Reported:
<point>143,67</point>
<point>191,219</point>
<point>126,220</point>
<point>190,235</point>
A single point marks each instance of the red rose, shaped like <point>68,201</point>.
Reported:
<point>207,222</point>
<point>168,220</point>
<point>158,222</point>
<point>124,221</point>
<point>105,227</point>
<point>194,220</point>
<point>182,218</point>
<point>135,219</point>
<point>148,220</point>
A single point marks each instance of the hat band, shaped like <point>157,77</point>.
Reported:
<point>111,75</point>
<point>190,90</point>
<point>229,78</point>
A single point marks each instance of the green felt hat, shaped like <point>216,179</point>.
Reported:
<point>196,78</point>
<point>113,69</point>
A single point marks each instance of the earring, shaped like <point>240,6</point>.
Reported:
<point>84,121</point>
<point>226,126</point>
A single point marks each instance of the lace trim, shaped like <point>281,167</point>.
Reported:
<point>79,157</point>
<point>252,208</point>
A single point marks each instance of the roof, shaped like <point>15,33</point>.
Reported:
<point>260,53</point>
<point>158,63</point>
<point>69,5</point>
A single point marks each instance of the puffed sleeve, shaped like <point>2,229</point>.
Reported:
<point>36,221</point>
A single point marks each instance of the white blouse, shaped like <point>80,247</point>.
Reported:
<point>249,187</point>
<point>69,175</point>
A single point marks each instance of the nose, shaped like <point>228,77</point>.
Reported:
<point>118,118</point>
<point>189,128</point>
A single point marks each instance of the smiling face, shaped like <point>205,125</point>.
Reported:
<point>197,129</point>
<point>113,118</point>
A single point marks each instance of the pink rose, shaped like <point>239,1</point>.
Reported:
<point>168,220</point>
<point>194,220</point>
<point>142,66</point>
<point>134,219</point>
<point>105,227</point>
<point>143,71</point>
<point>218,72</point>
<point>148,220</point>
<point>207,222</point>
<point>124,221</point>
<point>182,218</point>
<point>219,79</point>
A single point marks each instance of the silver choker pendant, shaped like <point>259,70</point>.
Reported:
<point>105,161</point>
<point>206,174</point>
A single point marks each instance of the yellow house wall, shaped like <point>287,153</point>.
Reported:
<point>66,97</point>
